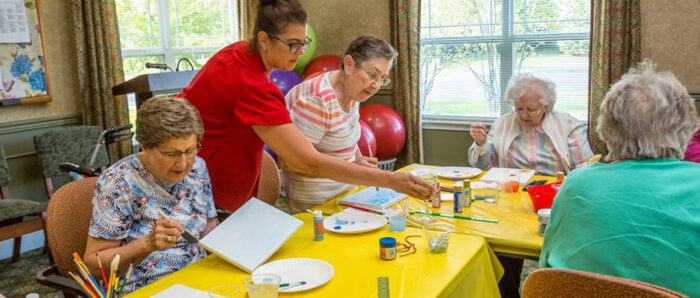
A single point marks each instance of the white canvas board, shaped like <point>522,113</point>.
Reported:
<point>249,236</point>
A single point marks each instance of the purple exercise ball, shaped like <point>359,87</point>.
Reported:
<point>272,153</point>
<point>284,80</point>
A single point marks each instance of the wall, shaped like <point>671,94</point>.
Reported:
<point>19,124</point>
<point>670,31</point>
<point>61,64</point>
<point>337,22</point>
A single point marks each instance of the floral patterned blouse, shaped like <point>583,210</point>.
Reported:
<point>125,207</point>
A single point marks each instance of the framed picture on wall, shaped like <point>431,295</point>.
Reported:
<point>22,59</point>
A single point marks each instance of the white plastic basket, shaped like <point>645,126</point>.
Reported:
<point>387,165</point>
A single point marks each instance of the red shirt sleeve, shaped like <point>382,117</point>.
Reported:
<point>261,103</point>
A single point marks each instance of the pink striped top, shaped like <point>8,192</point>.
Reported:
<point>315,110</point>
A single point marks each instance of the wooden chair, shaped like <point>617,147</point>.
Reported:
<point>13,212</point>
<point>269,186</point>
<point>70,144</point>
<point>66,223</point>
<point>551,282</point>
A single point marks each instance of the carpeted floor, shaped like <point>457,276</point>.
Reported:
<point>18,279</point>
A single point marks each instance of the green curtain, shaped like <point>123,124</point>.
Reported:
<point>405,36</point>
<point>100,67</point>
<point>615,47</point>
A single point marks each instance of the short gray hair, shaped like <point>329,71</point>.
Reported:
<point>522,83</point>
<point>162,118</point>
<point>366,47</point>
<point>646,115</point>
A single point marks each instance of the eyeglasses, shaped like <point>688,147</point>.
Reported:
<point>175,155</point>
<point>529,112</point>
<point>294,47</point>
<point>383,81</point>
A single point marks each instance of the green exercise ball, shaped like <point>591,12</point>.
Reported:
<point>309,53</point>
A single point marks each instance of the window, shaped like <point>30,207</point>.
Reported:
<point>164,31</point>
<point>471,48</point>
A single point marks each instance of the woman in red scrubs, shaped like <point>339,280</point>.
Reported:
<point>242,110</point>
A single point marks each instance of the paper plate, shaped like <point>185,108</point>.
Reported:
<point>353,221</point>
<point>457,172</point>
<point>314,272</point>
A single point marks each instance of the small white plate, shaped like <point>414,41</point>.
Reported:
<point>457,172</point>
<point>314,272</point>
<point>352,221</point>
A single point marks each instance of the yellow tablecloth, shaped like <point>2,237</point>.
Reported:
<point>468,269</point>
<point>514,235</point>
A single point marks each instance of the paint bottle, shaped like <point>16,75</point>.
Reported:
<point>467,193</point>
<point>560,176</point>
<point>457,197</point>
<point>318,224</point>
<point>437,202</point>
<point>387,248</point>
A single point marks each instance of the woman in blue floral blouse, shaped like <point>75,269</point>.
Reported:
<point>167,176</point>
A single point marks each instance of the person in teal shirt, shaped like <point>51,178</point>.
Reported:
<point>635,214</point>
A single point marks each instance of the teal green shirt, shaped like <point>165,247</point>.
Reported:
<point>633,219</point>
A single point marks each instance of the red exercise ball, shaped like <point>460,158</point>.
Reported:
<point>367,140</point>
<point>388,128</point>
<point>313,75</point>
<point>322,63</point>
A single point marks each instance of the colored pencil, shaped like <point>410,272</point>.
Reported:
<point>369,148</point>
<point>89,280</point>
<point>126,278</point>
<point>82,284</point>
<point>458,216</point>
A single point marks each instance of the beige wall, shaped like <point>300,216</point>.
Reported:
<point>670,37</point>
<point>337,22</point>
<point>57,29</point>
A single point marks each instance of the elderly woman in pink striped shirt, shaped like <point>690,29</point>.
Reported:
<point>533,136</point>
<point>326,109</point>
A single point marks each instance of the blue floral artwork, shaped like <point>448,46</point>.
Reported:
<point>37,80</point>
<point>22,65</point>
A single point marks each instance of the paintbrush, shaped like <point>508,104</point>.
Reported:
<point>104,277</point>
<point>369,148</point>
<point>185,234</point>
<point>112,275</point>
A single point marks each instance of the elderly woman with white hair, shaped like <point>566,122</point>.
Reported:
<point>533,136</point>
<point>636,214</point>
